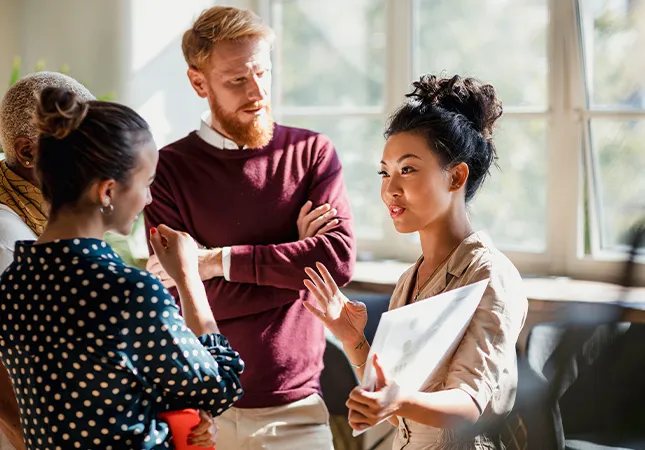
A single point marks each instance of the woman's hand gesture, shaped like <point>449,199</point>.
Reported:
<point>345,318</point>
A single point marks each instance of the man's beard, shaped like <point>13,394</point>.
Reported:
<point>254,134</point>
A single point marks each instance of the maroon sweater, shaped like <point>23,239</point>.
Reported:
<point>250,200</point>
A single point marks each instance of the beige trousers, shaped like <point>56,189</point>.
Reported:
<point>302,425</point>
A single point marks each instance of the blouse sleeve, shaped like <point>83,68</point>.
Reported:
<point>487,350</point>
<point>192,372</point>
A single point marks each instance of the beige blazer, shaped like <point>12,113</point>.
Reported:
<point>483,363</point>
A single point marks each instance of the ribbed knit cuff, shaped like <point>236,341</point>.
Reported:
<point>242,264</point>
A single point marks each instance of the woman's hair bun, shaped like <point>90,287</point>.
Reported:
<point>59,112</point>
<point>469,97</point>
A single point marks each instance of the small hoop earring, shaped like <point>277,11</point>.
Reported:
<point>106,209</point>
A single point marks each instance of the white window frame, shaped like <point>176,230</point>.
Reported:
<point>568,144</point>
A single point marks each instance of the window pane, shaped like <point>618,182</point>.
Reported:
<point>359,143</point>
<point>508,48</point>
<point>614,37</point>
<point>620,185</point>
<point>330,53</point>
<point>511,205</point>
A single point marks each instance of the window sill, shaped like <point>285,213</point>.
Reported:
<point>550,298</point>
<point>382,276</point>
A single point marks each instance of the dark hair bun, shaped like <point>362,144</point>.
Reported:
<point>59,112</point>
<point>469,97</point>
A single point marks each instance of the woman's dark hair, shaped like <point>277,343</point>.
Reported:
<point>81,142</point>
<point>456,116</point>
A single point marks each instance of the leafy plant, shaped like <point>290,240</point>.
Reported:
<point>132,248</point>
<point>15,71</point>
<point>41,66</point>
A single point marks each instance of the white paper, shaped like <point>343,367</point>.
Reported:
<point>412,341</point>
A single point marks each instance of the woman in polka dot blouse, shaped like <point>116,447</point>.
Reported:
<point>97,349</point>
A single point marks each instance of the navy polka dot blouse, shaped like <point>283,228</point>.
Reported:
<point>96,349</point>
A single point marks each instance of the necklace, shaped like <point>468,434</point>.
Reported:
<point>425,283</point>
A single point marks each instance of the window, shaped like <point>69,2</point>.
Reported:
<point>613,36</point>
<point>571,76</point>
<point>512,204</point>
<point>329,72</point>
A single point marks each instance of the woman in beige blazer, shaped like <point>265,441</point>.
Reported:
<point>438,152</point>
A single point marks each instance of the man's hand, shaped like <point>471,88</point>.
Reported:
<point>317,221</point>
<point>210,266</point>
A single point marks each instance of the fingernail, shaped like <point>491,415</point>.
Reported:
<point>153,230</point>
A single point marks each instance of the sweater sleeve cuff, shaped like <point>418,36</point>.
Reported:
<point>242,268</point>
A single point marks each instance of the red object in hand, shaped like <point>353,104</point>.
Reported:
<point>181,424</point>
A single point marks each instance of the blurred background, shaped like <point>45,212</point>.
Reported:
<point>571,75</point>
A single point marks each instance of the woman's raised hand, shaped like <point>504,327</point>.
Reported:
<point>345,318</point>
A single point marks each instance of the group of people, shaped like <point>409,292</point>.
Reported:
<point>250,228</point>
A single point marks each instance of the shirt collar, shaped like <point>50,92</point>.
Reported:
<point>88,248</point>
<point>466,251</point>
<point>456,265</point>
<point>213,137</point>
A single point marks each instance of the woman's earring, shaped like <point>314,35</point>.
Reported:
<point>27,163</point>
<point>107,208</point>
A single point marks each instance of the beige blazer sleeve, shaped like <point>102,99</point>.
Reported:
<point>484,362</point>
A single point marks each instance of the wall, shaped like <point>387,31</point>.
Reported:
<point>8,39</point>
<point>78,33</point>
<point>130,48</point>
<point>155,81</point>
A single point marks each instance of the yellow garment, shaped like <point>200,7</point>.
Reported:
<point>23,198</point>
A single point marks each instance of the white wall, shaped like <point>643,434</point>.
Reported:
<point>80,33</point>
<point>8,39</point>
<point>131,48</point>
<point>155,78</point>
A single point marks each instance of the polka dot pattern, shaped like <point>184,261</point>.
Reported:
<point>96,350</point>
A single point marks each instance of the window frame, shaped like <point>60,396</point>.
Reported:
<point>569,156</point>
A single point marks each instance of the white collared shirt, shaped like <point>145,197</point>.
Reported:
<point>211,136</point>
<point>214,137</point>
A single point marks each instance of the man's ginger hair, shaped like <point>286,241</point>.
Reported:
<point>219,24</point>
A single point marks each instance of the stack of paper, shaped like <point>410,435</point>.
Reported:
<point>412,341</point>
